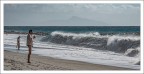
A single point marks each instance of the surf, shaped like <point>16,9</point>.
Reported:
<point>116,43</point>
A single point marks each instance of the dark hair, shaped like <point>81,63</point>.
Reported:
<point>30,31</point>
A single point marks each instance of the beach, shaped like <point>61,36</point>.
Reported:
<point>71,49</point>
<point>62,37</point>
<point>18,61</point>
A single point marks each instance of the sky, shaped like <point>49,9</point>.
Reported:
<point>72,14</point>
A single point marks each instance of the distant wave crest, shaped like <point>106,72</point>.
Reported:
<point>127,44</point>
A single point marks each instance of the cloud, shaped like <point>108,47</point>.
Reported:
<point>64,8</point>
<point>109,13</point>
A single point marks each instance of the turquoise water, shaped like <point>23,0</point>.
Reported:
<point>113,38</point>
<point>76,29</point>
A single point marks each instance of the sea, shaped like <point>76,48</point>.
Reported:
<point>107,45</point>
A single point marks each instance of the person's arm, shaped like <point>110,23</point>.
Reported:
<point>31,40</point>
<point>28,39</point>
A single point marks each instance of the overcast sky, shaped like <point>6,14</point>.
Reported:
<point>43,14</point>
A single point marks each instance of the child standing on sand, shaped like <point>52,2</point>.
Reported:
<point>29,44</point>
<point>18,42</point>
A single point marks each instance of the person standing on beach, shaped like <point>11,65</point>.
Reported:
<point>29,44</point>
<point>18,42</point>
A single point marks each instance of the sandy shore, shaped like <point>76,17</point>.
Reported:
<point>18,61</point>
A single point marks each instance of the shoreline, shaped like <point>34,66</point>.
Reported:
<point>18,61</point>
<point>47,33</point>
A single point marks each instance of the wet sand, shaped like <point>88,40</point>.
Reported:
<point>18,61</point>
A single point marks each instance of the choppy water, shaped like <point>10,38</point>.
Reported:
<point>116,46</point>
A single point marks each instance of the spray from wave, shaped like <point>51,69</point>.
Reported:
<point>127,44</point>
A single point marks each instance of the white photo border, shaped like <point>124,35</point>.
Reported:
<point>63,2</point>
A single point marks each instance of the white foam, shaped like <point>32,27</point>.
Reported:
<point>133,52</point>
<point>72,52</point>
<point>112,39</point>
<point>77,35</point>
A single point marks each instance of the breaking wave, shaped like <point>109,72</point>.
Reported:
<point>127,44</point>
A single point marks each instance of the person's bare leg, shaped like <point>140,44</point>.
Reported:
<point>29,54</point>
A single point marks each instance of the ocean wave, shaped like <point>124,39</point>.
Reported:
<point>80,35</point>
<point>122,43</point>
<point>116,43</point>
<point>133,52</point>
